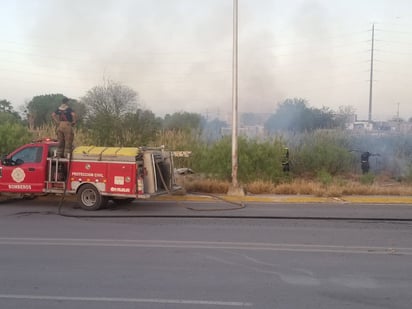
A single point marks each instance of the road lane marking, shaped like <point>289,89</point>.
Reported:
<point>203,245</point>
<point>126,300</point>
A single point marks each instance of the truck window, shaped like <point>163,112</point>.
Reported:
<point>52,151</point>
<point>29,155</point>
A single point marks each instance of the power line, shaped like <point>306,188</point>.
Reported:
<point>151,53</point>
<point>394,31</point>
<point>311,39</point>
<point>393,52</point>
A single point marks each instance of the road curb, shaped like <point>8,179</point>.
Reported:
<point>286,199</point>
<point>406,200</point>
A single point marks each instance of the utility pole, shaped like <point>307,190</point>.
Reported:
<point>398,119</point>
<point>235,188</point>
<point>371,75</point>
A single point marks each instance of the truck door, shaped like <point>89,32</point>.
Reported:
<point>24,171</point>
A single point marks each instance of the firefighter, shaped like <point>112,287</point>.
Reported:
<point>65,118</point>
<point>365,160</point>
<point>285,161</point>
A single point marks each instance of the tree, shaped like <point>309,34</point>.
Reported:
<point>110,98</point>
<point>295,115</point>
<point>212,130</point>
<point>320,119</point>
<point>345,115</point>
<point>40,108</point>
<point>142,126</point>
<point>7,112</point>
<point>183,121</point>
<point>108,105</point>
<point>287,115</point>
<point>5,106</point>
<point>12,131</point>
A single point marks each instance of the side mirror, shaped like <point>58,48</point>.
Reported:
<point>10,162</point>
<point>6,162</point>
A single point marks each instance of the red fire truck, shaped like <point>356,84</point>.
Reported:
<point>95,174</point>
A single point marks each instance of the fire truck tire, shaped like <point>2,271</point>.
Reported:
<point>90,198</point>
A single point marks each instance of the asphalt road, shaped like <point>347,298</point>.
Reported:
<point>343,256</point>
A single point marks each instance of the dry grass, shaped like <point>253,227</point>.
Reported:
<point>351,185</point>
<point>299,187</point>
<point>344,188</point>
<point>49,131</point>
<point>194,183</point>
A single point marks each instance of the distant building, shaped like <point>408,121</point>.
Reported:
<point>246,131</point>
<point>252,131</point>
<point>392,126</point>
<point>400,126</point>
<point>360,126</point>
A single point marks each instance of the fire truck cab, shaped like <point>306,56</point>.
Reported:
<point>95,174</point>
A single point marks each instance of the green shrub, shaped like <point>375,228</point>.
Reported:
<point>257,160</point>
<point>260,160</point>
<point>322,151</point>
<point>13,135</point>
<point>213,160</point>
<point>367,179</point>
<point>324,177</point>
<point>407,177</point>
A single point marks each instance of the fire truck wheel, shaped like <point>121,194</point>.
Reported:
<point>90,198</point>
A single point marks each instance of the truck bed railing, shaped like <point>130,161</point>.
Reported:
<point>56,174</point>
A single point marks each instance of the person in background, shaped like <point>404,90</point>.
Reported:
<point>365,161</point>
<point>65,118</point>
<point>285,161</point>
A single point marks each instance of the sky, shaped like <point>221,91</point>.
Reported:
<point>177,54</point>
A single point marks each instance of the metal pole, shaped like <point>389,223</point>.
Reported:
<point>397,114</point>
<point>235,96</point>
<point>371,76</point>
<point>398,119</point>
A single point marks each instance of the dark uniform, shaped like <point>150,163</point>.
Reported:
<point>65,118</point>
<point>365,161</point>
<point>285,161</point>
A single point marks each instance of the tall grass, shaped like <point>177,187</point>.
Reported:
<point>257,160</point>
<point>299,187</point>
<point>81,137</point>
<point>12,135</point>
<point>321,151</point>
<point>322,162</point>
